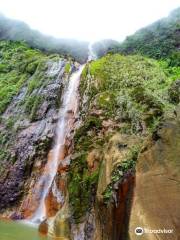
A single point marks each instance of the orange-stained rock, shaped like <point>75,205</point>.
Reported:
<point>43,227</point>
<point>156,201</point>
<point>110,219</point>
<point>52,205</point>
<point>93,159</point>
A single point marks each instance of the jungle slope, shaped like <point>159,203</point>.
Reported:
<point>125,101</point>
<point>160,40</point>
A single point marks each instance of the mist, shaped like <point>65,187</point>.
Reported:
<point>67,27</point>
<point>20,31</point>
<point>89,20</point>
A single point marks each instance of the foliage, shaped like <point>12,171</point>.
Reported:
<point>18,64</point>
<point>24,78</point>
<point>82,184</point>
<point>159,40</point>
<point>82,181</point>
<point>134,88</point>
<point>67,67</point>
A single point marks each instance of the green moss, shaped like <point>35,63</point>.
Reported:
<point>67,67</point>
<point>83,182</point>
<point>3,68</point>
<point>10,122</point>
<point>81,185</point>
<point>84,72</point>
<point>31,105</point>
<point>4,152</point>
<point>91,123</point>
<point>120,170</point>
<point>107,101</point>
<point>18,62</point>
<point>31,67</point>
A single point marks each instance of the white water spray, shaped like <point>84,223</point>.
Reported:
<point>91,55</point>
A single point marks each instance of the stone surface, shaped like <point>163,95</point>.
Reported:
<point>156,197</point>
<point>43,227</point>
<point>30,143</point>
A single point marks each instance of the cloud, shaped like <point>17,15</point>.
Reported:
<point>88,19</point>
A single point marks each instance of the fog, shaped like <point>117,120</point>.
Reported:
<point>88,19</point>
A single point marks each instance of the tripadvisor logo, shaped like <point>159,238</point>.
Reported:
<point>139,231</point>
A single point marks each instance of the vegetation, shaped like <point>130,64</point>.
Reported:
<point>67,67</point>
<point>134,88</point>
<point>159,40</point>
<point>82,182</point>
<point>12,72</point>
<point>20,64</point>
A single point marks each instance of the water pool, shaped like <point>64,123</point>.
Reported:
<point>11,230</point>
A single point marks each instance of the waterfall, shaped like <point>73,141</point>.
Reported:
<point>65,124</point>
<point>58,156</point>
<point>92,54</point>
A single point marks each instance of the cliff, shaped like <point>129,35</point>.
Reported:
<point>31,83</point>
<point>122,164</point>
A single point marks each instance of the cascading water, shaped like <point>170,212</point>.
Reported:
<point>91,55</point>
<point>67,116</point>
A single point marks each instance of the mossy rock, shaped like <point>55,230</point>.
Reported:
<point>31,67</point>
<point>67,67</point>
<point>174,92</point>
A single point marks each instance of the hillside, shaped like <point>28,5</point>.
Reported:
<point>20,31</point>
<point>160,40</point>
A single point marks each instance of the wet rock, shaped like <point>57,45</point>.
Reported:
<point>16,216</point>
<point>32,138</point>
<point>110,218</point>
<point>155,203</point>
<point>43,227</point>
<point>112,157</point>
<point>42,110</point>
<point>60,227</point>
<point>93,159</point>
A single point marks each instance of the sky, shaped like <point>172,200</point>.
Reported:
<point>88,19</point>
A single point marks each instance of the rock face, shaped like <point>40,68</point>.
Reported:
<point>111,216</point>
<point>27,128</point>
<point>155,203</point>
<point>43,227</point>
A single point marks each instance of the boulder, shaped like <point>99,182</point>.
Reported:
<point>43,227</point>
